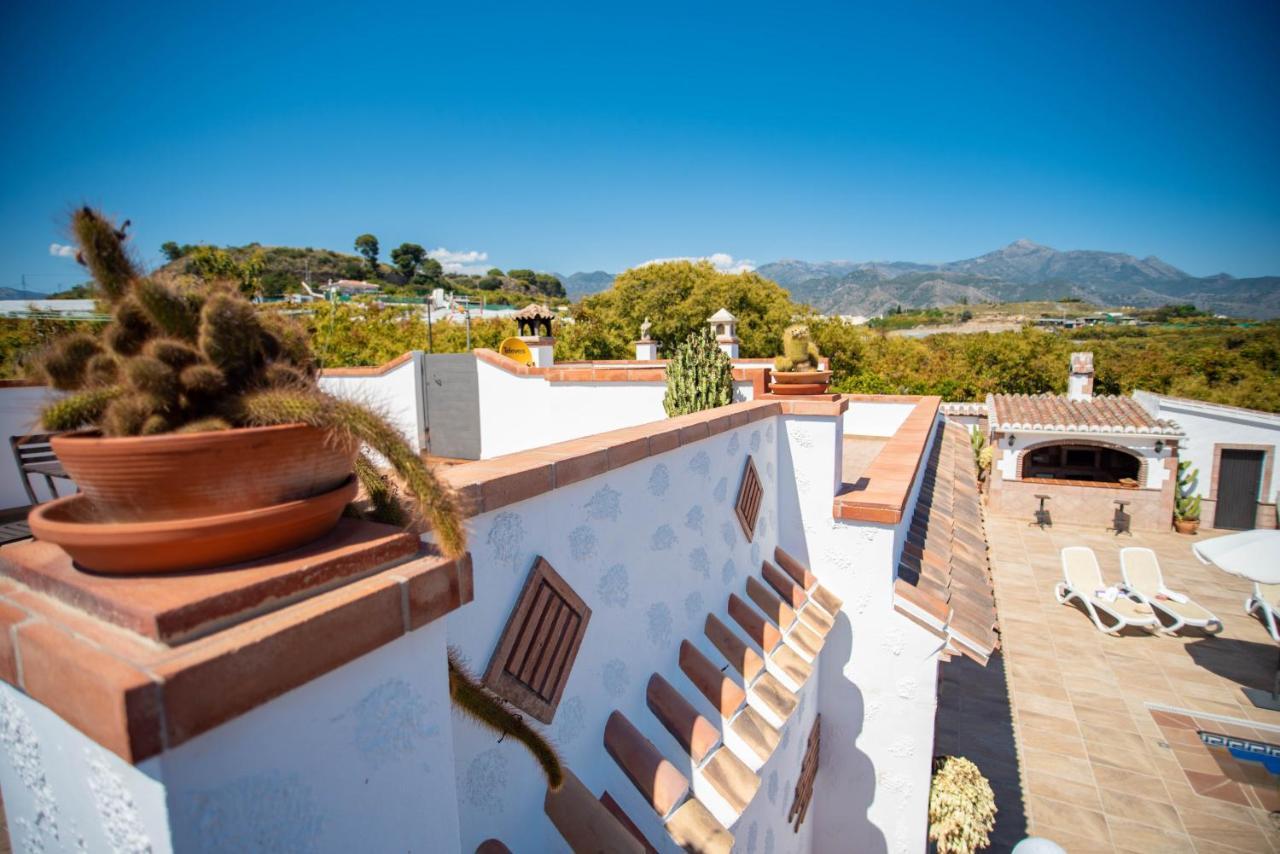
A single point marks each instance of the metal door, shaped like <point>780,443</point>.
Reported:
<point>1239,479</point>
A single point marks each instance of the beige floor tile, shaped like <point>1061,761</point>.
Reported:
<point>1244,837</point>
<point>1034,703</point>
<point>1050,814</point>
<point>1127,805</point>
<point>1134,836</point>
<point>1057,765</point>
<point>1053,742</point>
<point>1141,785</point>
<point>1060,789</point>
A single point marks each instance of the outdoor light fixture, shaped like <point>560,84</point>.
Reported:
<point>1011,439</point>
<point>1159,445</point>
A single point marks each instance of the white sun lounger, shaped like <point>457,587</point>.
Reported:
<point>1082,579</point>
<point>1143,578</point>
<point>1266,597</point>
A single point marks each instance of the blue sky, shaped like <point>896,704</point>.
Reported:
<point>582,137</point>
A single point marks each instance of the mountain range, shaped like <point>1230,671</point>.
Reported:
<point>1023,270</point>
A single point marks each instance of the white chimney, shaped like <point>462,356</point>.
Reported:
<point>724,326</point>
<point>1080,380</point>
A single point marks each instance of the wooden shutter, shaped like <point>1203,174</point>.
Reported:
<point>808,771</point>
<point>531,665</point>
<point>750,494</point>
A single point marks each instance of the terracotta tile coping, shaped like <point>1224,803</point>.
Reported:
<point>880,494</point>
<point>20,383</point>
<point>138,697</point>
<point>371,370</point>
<point>624,370</point>
<point>487,485</point>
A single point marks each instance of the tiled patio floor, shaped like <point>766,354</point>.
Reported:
<point>1096,772</point>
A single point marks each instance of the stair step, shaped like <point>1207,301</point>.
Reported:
<point>721,691</point>
<point>795,668</point>
<point>662,785</point>
<point>829,601</point>
<point>586,823</point>
<point>620,814</point>
<point>774,695</point>
<point>756,732</point>
<point>731,777</point>
<point>799,573</point>
<point>763,633</point>
<point>742,657</point>
<point>697,735</point>
<point>815,618</point>
<point>696,830</point>
<point>791,592</point>
<point>805,639</point>
<point>773,607</point>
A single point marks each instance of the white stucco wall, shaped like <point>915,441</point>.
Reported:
<point>519,413</point>
<point>652,548</point>
<point>20,416</point>
<point>878,670</point>
<point>1142,446</point>
<point>865,418</point>
<point>1207,425</point>
<point>357,760</point>
<point>397,394</point>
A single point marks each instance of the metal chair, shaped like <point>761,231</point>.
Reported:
<point>34,456</point>
<point>1121,521</point>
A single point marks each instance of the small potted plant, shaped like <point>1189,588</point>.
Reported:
<point>962,807</point>
<point>797,370</point>
<point>1186,504</point>
<point>197,433</point>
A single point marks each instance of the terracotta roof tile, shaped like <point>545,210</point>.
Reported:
<point>943,575</point>
<point>1055,412</point>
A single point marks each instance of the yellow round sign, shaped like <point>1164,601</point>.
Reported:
<point>514,348</point>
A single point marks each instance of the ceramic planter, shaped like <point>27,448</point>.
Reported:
<point>1186,526</point>
<point>174,545</point>
<point>799,382</point>
<point>190,475</point>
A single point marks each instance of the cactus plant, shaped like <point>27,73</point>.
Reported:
<point>962,807</point>
<point>178,357</point>
<point>699,376</point>
<point>798,352</point>
<point>1186,504</point>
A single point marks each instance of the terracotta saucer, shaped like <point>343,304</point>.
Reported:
<point>175,545</point>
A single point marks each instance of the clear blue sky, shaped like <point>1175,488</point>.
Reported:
<point>588,137</point>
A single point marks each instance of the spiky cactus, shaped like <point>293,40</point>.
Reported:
<point>798,352</point>
<point>699,376</point>
<point>185,358</point>
<point>1186,504</point>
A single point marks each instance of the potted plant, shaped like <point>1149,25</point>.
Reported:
<point>962,807</point>
<point>198,434</point>
<point>796,371</point>
<point>699,376</point>
<point>1186,503</point>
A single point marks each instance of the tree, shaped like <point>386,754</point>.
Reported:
<point>699,376</point>
<point>367,245</point>
<point>679,296</point>
<point>523,275</point>
<point>407,257</point>
<point>548,284</point>
<point>496,272</point>
<point>172,251</point>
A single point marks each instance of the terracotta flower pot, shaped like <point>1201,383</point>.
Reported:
<point>1186,526</point>
<point>799,382</point>
<point>189,475</point>
<point>174,545</point>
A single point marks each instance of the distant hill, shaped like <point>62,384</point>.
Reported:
<point>18,293</point>
<point>579,285</point>
<point>1021,271</point>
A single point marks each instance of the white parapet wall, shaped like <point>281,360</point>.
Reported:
<point>359,759</point>
<point>394,389</point>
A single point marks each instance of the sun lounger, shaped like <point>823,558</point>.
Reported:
<point>1266,597</point>
<point>1143,579</point>
<point>1082,579</point>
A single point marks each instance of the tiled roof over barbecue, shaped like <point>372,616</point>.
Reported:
<point>1056,413</point>
<point>945,556</point>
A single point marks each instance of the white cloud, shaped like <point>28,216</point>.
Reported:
<point>722,261</point>
<point>62,251</point>
<point>460,262</point>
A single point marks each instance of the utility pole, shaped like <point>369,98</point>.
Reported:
<point>466,306</point>
<point>430,345</point>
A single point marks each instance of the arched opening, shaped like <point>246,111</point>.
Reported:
<point>1092,463</point>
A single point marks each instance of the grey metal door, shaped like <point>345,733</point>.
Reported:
<point>1239,479</point>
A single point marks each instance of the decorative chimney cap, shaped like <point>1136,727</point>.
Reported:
<point>534,311</point>
<point>1081,363</point>
<point>722,316</point>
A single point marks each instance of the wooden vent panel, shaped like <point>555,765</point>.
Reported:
<point>750,495</point>
<point>531,665</point>
<point>808,771</point>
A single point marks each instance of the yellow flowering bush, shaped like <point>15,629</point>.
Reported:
<point>962,807</point>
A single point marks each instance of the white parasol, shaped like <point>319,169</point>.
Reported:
<point>1254,555</point>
